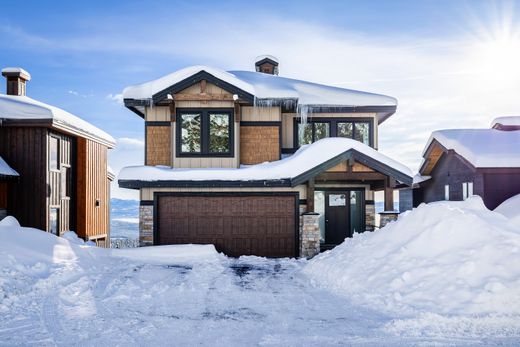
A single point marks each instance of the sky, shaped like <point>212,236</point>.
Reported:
<point>450,64</point>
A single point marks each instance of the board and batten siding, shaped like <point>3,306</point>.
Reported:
<point>93,185</point>
<point>25,149</point>
<point>288,125</point>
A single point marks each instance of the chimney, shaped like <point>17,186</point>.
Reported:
<point>266,64</point>
<point>16,79</point>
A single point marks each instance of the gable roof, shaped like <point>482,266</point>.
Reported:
<point>23,109</point>
<point>306,163</point>
<point>482,148</point>
<point>264,89</point>
<point>6,170</point>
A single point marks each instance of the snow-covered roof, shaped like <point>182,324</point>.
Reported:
<point>6,170</point>
<point>266,56</point>
<point>16,107</point>
<point>483,148</point>
<point>305,159</point>
<point>510,121</point>
<point>266,86</point>
<point>17,70</point>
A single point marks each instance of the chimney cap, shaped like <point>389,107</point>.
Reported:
<point>16,72</point>
<point>266,57</point>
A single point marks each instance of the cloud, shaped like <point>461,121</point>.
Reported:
<point>118,98</point>
<point>130,143</point>
<point>78,94</point>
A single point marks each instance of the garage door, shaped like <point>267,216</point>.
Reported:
<point>236,225</point>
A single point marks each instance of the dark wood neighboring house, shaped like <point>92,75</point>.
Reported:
<point>208,135</point>
<point>465,162</point>
<point>61,161</point>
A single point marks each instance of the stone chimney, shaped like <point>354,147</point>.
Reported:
<point>16,80</point>
<point>266,64</point>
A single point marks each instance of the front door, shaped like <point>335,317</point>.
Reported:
<point>337,221</point>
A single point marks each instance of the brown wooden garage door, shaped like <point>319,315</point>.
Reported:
<point>236,225</point>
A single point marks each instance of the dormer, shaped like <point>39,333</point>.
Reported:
<point>266,64</point>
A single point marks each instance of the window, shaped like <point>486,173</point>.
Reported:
<point>467,190</point>
<point>54,154</point>
<point>447,192</point>
<point>207,132</point>
<point>54,220</point>
<point>314,130</point>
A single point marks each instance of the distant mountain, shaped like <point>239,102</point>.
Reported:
<point>124,218</point>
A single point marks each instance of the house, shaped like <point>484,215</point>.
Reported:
<point>465,162</point>
<point>7,177</point>
<point>256,163</point>
<point>61,162</point>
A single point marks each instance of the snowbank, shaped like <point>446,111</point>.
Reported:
<point>443,258</point>
<point>173,254</point>
<point>306,158</point>
<point>511,209</point>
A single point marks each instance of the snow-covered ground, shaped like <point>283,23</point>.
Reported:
<point>59,291</point>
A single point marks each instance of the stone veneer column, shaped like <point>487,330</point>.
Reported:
<point>145,225</point>
<point>387,217</point>
<point>370,215</point>
<point>309,234</point>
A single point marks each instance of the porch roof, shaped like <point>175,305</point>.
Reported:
<point>308,162</point>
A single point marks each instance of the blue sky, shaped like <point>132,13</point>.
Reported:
<point>449,63</point>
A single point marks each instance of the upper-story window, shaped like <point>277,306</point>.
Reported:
<point>207,132</point>
<point>359,129</point>
<point>54,153</point>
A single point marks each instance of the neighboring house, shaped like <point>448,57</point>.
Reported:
<point>223,165</point>
<point>463,162</point>
<point>7,177</point>
<point>61,160</point>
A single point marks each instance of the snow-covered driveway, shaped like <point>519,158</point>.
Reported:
<point>230,302</point>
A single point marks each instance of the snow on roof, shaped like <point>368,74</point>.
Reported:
<point>6,170</point>
<point>483,148</point>
<point>24,108</point>
<point>266,86</point>
<point>24,74</point>
<point>306,158</point>
<point>266,56</point>
<point>507,121</point>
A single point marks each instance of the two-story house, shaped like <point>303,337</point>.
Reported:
<point>255,163</point>
<point>54,174</point>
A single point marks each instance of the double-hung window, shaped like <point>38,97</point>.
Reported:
<point>206,133</point>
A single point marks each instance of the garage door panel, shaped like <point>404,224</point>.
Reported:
<point>236,225</point>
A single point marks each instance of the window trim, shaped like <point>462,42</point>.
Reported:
<point>205,131</point>
<point>333,127</point>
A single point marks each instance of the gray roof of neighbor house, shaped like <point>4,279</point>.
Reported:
<point>263,90</point>
<point>20,108</point>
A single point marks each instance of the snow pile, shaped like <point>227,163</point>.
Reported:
<point>306,158</point>
<point>447,258</point>
<point>177,254</point>
<point>6,170</point>
<point>511,209</point>
<point>25,108</point>
<point>489,148</point>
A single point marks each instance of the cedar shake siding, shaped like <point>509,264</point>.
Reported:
<point>158,145</point>
<point>259,144</point>
<point>25,149</point>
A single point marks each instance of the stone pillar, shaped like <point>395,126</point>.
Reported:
<point>370,215</point>
<point>145,225</point>
<point>309,235</point>
<point>387,217</point>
